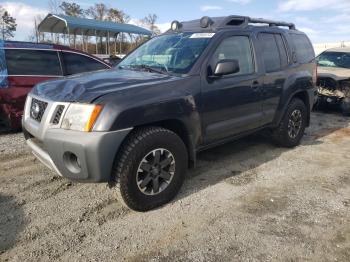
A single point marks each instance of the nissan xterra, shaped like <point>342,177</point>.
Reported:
<point>200,84</point>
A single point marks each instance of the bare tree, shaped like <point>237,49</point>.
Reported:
<point>54,6</point>
<point>35,35</point>
<point>72,9</point>
<point>150,21</point>
<point>118,16</point>
<point>7,24</point>
<point>98,11</point>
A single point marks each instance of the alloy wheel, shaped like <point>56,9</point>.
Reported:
<point>295,123</point>
<point>155,171</point>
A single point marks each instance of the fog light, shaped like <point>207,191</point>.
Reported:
<point>72,162</point>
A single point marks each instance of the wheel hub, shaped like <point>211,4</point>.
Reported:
<point>295,123</point>
<point>155,171</point>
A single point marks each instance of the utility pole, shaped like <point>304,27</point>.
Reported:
<point>36,31</point>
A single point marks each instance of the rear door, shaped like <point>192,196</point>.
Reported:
<point>27,67</point>
<point>276,60</point>
<point>75,63</point>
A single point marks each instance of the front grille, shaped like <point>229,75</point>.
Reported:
<point>57,116</point>
<point>37,109</point>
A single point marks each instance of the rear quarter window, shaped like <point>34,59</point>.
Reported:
<point>303,49</point>
<point>32,62</point>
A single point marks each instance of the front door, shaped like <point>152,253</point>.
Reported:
<point>231,104</point>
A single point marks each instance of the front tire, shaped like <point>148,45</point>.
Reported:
<point>150,168</point>
<point>292,125</point>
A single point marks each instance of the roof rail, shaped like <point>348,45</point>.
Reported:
<point>245,20</point>
<point>291,26</point>
<point>215,23</point>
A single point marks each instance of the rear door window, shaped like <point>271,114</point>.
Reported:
<point>303,48</point>
<point>76,63</point>
<point>271,55</point>
<point>32,62</point>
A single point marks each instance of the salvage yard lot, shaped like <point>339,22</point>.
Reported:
<point>246,200</point>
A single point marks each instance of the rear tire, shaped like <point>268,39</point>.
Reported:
<point>292,125</point>
<point>150,168</point>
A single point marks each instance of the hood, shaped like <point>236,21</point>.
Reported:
<point>87,87</point>
<point>337,73</point>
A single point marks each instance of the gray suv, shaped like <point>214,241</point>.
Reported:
<point>201,84</point>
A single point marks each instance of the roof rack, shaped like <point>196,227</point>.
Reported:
<point>245,20</point>
<point>291,26</point>
<point>207,23</point>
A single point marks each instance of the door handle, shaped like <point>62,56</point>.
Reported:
<point>255,85</point>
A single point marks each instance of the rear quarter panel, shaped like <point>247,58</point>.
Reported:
<point>300,80</point>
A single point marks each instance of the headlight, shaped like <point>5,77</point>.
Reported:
<point>81,117</point>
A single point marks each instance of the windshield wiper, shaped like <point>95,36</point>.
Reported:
<point>147,68</point>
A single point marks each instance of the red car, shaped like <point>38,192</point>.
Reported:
<point>22,65</point>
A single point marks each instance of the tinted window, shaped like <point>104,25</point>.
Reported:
<point>282,49</point>
<point>238,48</point>
<point>75,63</point>
<point>271,54</point>
<point>303,48</point>
<point>32,62</point>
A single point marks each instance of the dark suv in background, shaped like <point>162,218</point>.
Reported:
<point>201,84</point>
<point>23,65</point>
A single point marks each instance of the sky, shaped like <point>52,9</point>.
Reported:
<point>323,20</point>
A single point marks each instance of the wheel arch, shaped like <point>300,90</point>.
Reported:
<point>303,95</point>
<point>181,129</point>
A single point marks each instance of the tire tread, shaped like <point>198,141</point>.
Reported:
<point>122,163</point>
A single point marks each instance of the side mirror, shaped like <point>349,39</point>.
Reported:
<point>226,67</point>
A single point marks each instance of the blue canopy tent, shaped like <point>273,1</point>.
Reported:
<point>63,24</point>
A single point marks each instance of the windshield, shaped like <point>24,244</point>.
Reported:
<point>334,59</point>
<point>174,53</point>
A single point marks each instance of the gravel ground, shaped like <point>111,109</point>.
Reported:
<point>246,201</point>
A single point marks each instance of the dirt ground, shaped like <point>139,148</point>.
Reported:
<point>246,201</point>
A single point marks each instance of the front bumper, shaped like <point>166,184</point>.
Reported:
<point>79,156</point>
